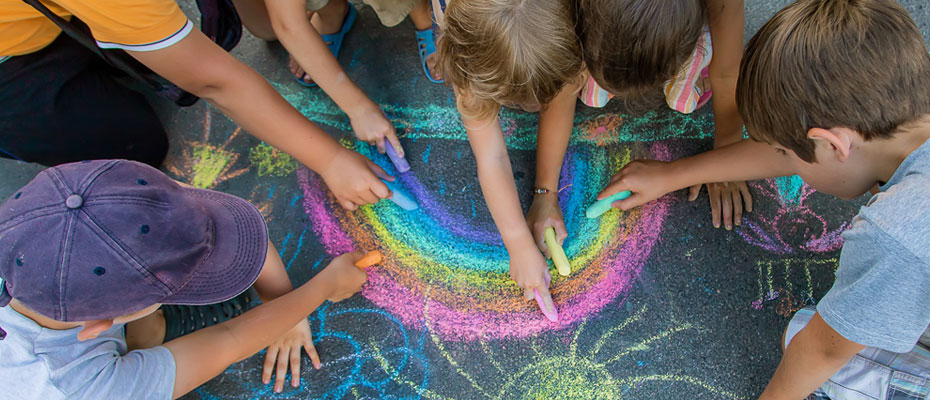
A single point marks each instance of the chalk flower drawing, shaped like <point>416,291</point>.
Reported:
<point>794,227</point>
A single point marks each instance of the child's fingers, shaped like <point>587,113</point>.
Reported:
<point>612,189</point>
<point>694,191</point>
<point>280,372</point>
<point>737,207</point>
<point>381,191</point>
<point>547,299</point>
<point>714,208</point>
<point>379,141</point>
<point>726,204</point>
<point>392,137</point>
<point>369,196</point>
<point>270,357</point>
<point>747,197</point>
<point>635,200</point>
<point>560,232</point>
<point>528,293</point>
<point>311,351</point>
<point>379,172</point>
<point>295,366</point>
<point>541,243</point>
<point>348,205</point>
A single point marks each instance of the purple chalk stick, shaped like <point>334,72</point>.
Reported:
<point>552,316</point>
<point>399,162</point>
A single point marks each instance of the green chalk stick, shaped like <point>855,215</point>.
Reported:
<point>557,253</point>
<point>601,206</point>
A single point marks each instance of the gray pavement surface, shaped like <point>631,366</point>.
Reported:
<point>659,306</point>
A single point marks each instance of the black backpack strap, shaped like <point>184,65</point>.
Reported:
<point>119,59</point>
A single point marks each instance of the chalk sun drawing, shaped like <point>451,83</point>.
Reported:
<point>794,227</point>
<point>564,369</point>
<point>204,165</point>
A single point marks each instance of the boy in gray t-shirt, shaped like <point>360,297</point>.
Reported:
<point>837,92</point>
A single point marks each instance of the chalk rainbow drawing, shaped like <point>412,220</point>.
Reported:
<point>465,267</point>
<point>794,227</point>
<point>462,261</point>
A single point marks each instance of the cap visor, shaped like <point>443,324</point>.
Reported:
<point>240,245</point>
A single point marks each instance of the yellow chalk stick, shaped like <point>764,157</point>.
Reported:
<point>557,253</point>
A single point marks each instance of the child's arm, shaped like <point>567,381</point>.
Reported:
<point>649,180</point>
<point>812,357</point>
<point>202,355</point>
<point>528,268</point>
<point>292,27</point>
<point>272,283</point>
<point>555,130</point>
<point>200,66</point>
<point>726,21</point>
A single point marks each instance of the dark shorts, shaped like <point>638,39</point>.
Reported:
<point>63,104</point>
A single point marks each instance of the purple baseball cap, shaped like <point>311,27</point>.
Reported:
<point>100,239</point>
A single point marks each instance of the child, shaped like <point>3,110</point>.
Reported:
<point>499,52</point>
<point>314,55</point>
<point>522,54</point>
<point>844,130</point>
<point>93,248</point>
<point>628,54</point>
<point>61,103</point>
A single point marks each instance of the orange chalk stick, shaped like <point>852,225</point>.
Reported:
<point>371,258</point>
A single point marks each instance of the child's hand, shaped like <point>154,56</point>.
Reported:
<point>371,125</point>
<point>286,349</point>
<point>343,277</point>
<point>647,179</point>
<point>726,198</point>
<point>529,270</point>
<point>545,212</point>
<point>353,179</point>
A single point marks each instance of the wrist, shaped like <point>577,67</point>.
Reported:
<point>361,106</point>
<point>545,190</point>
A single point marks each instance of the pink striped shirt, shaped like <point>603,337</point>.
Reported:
<point>685,92</point>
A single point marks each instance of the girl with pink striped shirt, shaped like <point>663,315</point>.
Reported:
<point>635,47</point>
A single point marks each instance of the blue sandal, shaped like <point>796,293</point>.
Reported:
<point>426,45</point>
<point>334,40</point>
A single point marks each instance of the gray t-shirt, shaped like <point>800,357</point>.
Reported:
<point>39,363</point>
<point>881,297</point>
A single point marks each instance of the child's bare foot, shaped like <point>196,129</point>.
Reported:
<point>298,71</point>
<point>432,61</point>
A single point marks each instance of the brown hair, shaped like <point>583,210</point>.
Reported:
<point>859,64</point>
<point>507,52</point>
<point>633,46</point>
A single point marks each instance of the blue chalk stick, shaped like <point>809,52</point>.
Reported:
<point>399,162</point>
<point>400,197</point>
<point>601,206</point>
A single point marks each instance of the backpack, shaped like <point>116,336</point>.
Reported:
<point>218,20</point>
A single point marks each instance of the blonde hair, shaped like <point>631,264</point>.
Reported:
<point>508,52</point>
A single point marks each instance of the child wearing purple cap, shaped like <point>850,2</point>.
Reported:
<point>90,251</point>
